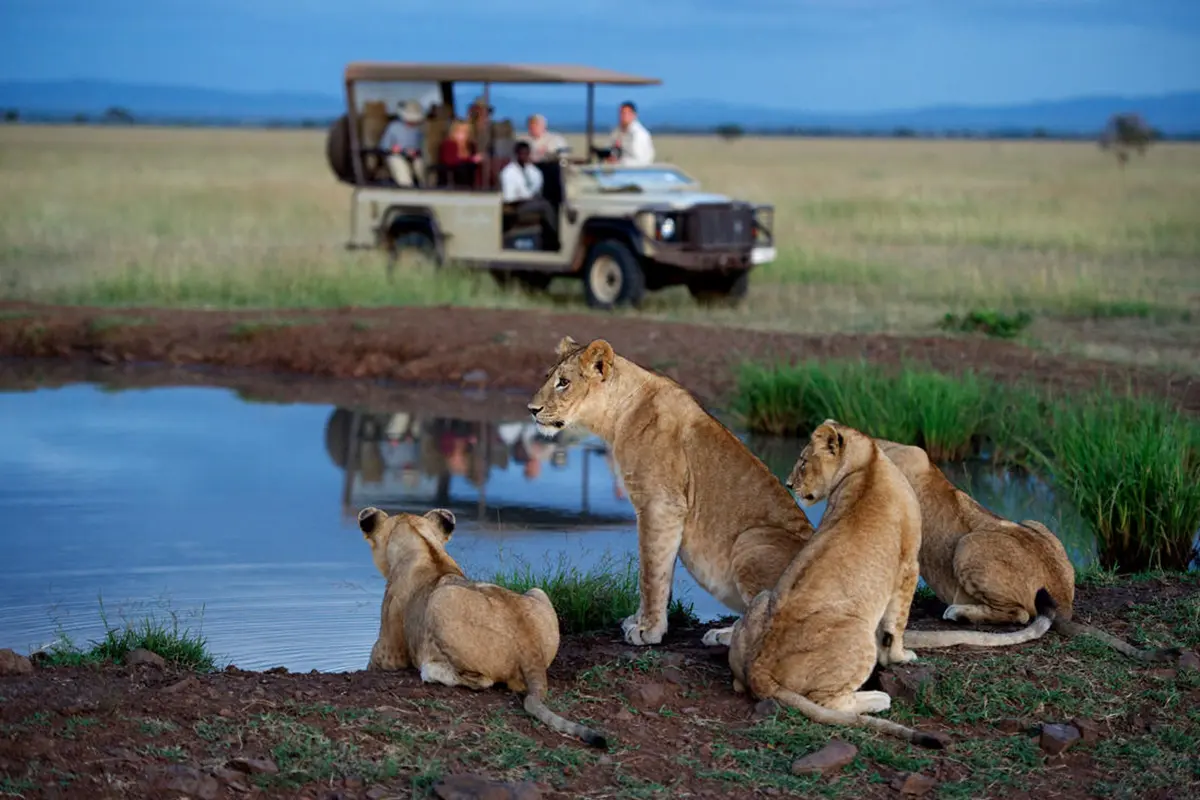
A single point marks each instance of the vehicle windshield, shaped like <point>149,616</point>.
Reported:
<point>617,178</point>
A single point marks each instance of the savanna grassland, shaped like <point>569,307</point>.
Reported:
<point>874,235</point>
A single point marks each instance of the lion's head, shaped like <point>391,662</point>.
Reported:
<point>822,462</point>
<point>401,538</point>
<point>576,387</point>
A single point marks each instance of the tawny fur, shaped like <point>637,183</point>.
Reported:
<point>699,493</point>
<point>456,631</point>
<point>842,604</point>
<point>988,569</point>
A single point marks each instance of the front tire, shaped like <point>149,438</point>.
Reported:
<point>612,276</point>
<point>718,289</point>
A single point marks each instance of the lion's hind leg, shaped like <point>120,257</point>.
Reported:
<point>715,637</point>
<point>992,578</point>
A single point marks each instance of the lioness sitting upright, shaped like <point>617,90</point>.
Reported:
<point>843,602</point>
<point>990,569</point>
<point>459,632</point>
<point>699,493</point>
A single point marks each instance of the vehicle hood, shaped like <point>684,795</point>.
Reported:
<point>672,198</point>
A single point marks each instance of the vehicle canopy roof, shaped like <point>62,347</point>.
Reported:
<point>491,73</point>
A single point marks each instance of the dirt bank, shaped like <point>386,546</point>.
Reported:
<point>498,349</point>
<point>678,730</point>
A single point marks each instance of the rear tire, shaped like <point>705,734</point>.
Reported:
<point>612,276</point>
<point>413,248</point>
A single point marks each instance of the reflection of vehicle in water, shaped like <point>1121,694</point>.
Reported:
<point>409,461</point>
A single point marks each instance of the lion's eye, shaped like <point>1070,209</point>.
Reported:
<point>562,383</point>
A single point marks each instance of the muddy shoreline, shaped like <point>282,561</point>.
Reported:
<point>678,728</point>
<point>482,349</point>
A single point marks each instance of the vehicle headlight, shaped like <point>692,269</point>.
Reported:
<point>666,228</point>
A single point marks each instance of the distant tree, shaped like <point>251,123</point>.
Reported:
<point>116,115</point>
<point>730,131</point>
<point>1040,133</point>
<point>12,115</point>
<point>904,133</point>
<point>80,119</point>
<point>1125,134</point>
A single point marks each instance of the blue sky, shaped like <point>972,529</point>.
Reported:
<point>819,55</point>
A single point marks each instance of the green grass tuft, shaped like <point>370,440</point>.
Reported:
<point>996,324</point>
<point>593,600</point>
<point>176,644</point>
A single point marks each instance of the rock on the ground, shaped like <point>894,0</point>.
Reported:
<point>188,781</point>
<point>765,708</point>
<point>829,758</point>
<point>1089,730</point>
<point>673,675</point>
<point>903,681</point>
<point>647,695</point>
<point>1011,725</point>
<point>914,784</point>
<point>1189,660</point>
<point>143,656</point>
<point>477,787</point>
<point>13,663</point>
<point>1057,738</point>
<point>254,766</point>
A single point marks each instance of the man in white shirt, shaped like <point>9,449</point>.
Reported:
<point>543,144</point>
<point>521,191</point>
<point>631,142</point>
<point>402,142</point>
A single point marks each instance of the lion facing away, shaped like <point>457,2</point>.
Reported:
<point>842,604</point>
<point>456,631</point>
<point>699,493</point>
<point>988,569</point>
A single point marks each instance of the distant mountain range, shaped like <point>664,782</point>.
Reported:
<point>1173,114</point>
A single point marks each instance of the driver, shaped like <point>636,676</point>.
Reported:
<point>631,142</point>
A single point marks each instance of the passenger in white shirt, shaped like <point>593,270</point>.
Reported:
<point>521,190</point>
<point>631,142</point>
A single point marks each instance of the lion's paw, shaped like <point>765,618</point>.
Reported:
<point>637,634</point>
<point>717,637</point>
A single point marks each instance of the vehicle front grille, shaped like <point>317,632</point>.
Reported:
<point>720,227</point>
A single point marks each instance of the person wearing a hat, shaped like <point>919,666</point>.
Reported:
<point>403,141</point>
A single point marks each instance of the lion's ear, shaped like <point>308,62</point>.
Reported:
<point>828,436</point>
<point>599,357</point>
<point>369,520</point>
<point>444,519</point>
<point>566,345</point>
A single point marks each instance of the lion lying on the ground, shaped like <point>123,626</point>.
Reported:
<point>459,632</point>
<point>699,493</point>
<point>842,604</point>
<point>990,569</point>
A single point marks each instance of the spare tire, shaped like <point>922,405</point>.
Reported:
<point>337,149</point>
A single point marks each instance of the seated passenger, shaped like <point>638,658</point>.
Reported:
<point>402,141</point>
<point>543,145</point>
<point>631,142</point>
<point>458,156</point>
<point>521,190</point>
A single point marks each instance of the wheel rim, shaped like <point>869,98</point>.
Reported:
<point>606,279</point>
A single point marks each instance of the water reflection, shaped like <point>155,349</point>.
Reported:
<point>407,461</point>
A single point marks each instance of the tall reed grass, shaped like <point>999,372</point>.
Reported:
<point>1129,465</point>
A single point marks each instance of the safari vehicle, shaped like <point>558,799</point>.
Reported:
<point>622,230</point>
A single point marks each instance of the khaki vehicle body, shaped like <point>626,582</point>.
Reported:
<point>623,230</point>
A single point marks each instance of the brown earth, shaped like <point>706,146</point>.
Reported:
<point>501,349</point>
<point>676,727</point>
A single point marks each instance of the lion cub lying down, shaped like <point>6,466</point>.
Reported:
<point>842,604</point>
<point>990,569</point>
<point>459,632</point>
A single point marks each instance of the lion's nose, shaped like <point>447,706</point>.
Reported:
<point>535,410</point>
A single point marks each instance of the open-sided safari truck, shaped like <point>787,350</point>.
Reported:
<point>623,230</point>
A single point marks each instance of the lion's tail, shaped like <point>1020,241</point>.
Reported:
<point>1070,628</point>
<point>827,716</point>
<point>1046,611</point>
<point>535,681</point>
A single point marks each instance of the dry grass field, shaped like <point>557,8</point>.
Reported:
<point>874,235</point>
